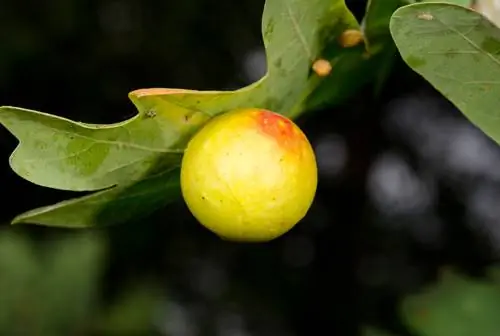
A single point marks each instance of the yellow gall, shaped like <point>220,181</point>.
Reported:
<point>249,175</point>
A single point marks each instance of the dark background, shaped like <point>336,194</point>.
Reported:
<point>407,186</point>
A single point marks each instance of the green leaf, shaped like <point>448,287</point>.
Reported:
<point>59,153</point>
<point>378,36</point>
<point>112,206</point>
<point>134,159</point>
<point>377,18</point>
<point>456,306</point>
<point>457,51</point>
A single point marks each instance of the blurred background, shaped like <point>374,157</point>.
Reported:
<point>407,200</point>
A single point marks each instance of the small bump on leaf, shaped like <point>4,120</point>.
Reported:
<point>425,16</point>
<point>351,38</point>
<point>322,67</point>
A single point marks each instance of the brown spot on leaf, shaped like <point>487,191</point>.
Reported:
<point>277,63</point>
<point>150,114</point>
<point>485,87</point>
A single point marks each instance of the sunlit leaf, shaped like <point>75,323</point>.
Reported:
<point>59,153</point>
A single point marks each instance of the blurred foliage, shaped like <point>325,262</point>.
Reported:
<point>457,306</point>
<point>48,288</point>
<point>133,311</point>
<point>51,288</point>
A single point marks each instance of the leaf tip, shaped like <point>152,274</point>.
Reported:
<point>24,218</point>
<point>17,220</point>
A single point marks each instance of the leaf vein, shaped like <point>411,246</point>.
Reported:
<point>60,158</point>
<point>471,42</point>
<point>116,142</point>
<point>297,30</point>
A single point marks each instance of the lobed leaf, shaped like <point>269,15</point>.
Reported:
<point>137,160</point>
